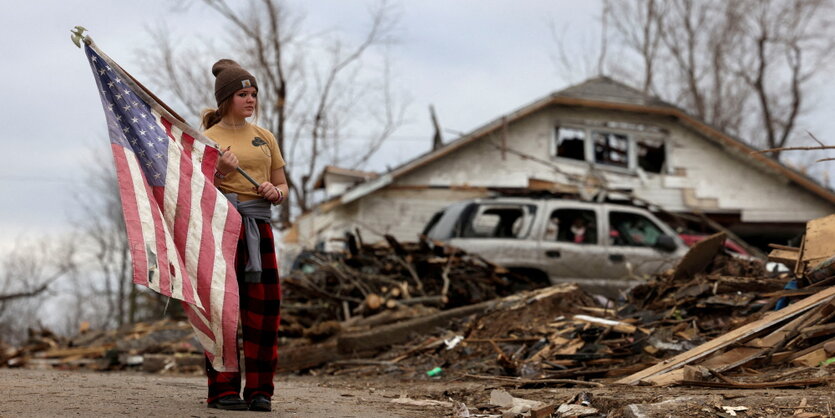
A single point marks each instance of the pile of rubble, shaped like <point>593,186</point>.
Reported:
<point>161,347</point>
<point>423,309</point>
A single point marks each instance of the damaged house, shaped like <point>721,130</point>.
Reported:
<point>596,136</point>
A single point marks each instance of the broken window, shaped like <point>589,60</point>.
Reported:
<point>577,226</point>
<point>632,229</point>
<point>571,143</point>
<point>505,221</point>
<point>651,155</point>
<point>611,149</point>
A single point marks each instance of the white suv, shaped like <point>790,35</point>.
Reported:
<point>601,246</point>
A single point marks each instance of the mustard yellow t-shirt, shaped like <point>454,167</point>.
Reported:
<point>257,152</point>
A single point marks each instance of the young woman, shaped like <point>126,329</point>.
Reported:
<point>255,150</point>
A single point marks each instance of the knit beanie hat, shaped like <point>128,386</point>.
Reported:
<point>229,78</point>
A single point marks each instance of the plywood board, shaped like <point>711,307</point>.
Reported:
<point>819,243</point>
<point>699,256</point>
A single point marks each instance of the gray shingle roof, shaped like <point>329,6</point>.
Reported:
<point>608,90</point>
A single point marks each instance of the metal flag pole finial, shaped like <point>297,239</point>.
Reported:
<point>78,36</point>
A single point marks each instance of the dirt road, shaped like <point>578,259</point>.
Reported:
<point>36,393</point>
<point>51,393</point>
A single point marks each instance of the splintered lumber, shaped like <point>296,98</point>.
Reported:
<point>731,337</point>
<point>699,256</point>
<point>762,385</point>
<point>80,351</point>
<point>810,359</point>
<point>616,325</point>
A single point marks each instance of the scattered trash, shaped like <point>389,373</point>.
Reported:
<point>513,405</point>
<point>732,410</point>
<point>421,402</point>
<point>450,344</point>
<point>434,372</point>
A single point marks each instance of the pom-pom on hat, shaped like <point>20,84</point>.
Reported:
<point>229,78</point>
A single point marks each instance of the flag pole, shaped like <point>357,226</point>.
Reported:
<point>77,36</point>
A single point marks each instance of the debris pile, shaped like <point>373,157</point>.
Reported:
<point>161,347</point>
<point>369,279</point>
<point>425,310</point>
<point>799,335</point>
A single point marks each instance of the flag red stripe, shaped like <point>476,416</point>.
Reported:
<point>194,313</point>
<point>206,258</point>
<point>229,244</point>
<point>167,125</point>
<point>130,211</point>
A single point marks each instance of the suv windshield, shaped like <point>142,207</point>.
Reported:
<point>499,221</point>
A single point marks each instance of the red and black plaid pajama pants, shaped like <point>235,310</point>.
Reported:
<point>259,306</point>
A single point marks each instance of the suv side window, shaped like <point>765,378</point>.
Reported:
<point>500,221</point>
<point>578,226</point>
<point>632,229</point>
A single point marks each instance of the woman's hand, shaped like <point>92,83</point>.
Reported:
<point>227,163</point>
<point>268,191</point>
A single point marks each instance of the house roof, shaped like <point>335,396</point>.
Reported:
<point>332,169</point>
<point>598,93</point>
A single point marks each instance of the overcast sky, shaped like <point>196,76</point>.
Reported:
<point>473,59</point>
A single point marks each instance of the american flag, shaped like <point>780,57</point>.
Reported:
<point>182,231</point>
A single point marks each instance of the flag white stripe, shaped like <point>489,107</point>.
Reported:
<point>172,185</point>
<point>146,220</point>
<point>218,294</point>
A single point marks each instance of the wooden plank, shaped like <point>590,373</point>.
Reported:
<point>731,337</point>
<point>818,330</point>
<point>810,359</point>
<point>77,351</point>
<point>819,242</point>
<point>686,373</point>
<point>735,357</point>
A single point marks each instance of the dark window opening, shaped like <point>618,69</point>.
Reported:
<point>651,155</point>
<point>571,143</point>
<point>572,225</point>
<point>500,222</point>
<point>630,229</point>
<point>611,149</point>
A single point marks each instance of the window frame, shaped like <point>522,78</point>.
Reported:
<point>632,140</point>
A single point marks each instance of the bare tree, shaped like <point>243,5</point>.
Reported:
<point>317,86</point>
<point>789,43</point>
<point>26,273</point>
<point>743,66</point>
<point>637,24</point>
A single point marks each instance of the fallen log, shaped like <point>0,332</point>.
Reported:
<point>400,332</point>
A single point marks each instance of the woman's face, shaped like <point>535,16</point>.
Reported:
<point>243,103</point>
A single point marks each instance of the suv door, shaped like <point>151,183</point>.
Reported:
<point>633,238</point>
<point>570,247</point>
<point>499,232</point>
